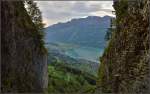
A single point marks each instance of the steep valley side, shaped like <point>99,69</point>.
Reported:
<point>125,63</point>
<point>23,58</point>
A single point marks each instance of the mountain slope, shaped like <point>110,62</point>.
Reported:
<point>64,79</point>
<point>80,64</point>
<point>88,31</point>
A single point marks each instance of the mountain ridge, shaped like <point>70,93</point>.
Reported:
<point>78,31</point>
<point>74,19</point>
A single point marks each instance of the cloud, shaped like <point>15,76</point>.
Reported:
<point>61,11</point>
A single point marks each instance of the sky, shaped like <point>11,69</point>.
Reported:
<point>63,11</point>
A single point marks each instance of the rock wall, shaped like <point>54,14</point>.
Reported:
<point>125,63</point>
<point>23,60</point>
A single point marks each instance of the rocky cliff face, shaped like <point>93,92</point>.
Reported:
<point>24,61</point>
<point>125,63</point>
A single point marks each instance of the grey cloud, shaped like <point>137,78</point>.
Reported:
<point>83,7</point>
<point>62,10</point>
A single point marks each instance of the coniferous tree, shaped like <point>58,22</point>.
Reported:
<point>36,16</point>
<point>110,30</point>
<point>108,34</point>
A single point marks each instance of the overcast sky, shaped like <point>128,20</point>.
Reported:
<point>62,11</point>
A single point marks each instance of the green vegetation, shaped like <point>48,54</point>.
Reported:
<point>64,79</point>
<point>110,31</point>
<point>54,55</point>
<point>124,64</point>
<point>121,9</point>
<point>36,17</point>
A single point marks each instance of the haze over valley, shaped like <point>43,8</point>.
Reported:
<point>82,38</point>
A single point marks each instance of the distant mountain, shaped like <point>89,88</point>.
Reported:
<point>89,31</point>
<point>55,55</point>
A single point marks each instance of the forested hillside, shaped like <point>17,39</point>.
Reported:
<point>89,31</point>
<point>80,38</point>
<point>64,78</point>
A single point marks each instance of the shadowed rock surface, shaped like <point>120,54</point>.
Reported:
<point>24,62</point>
<point>125,63</point>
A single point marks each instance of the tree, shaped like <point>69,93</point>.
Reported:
<point>108,34</point>
<point>110,30</point>
<point>36,17</point>
<point>35,14</point>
